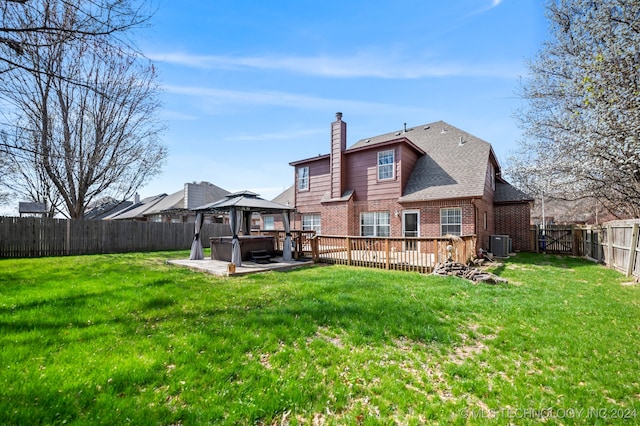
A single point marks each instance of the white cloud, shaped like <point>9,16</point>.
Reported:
<point>375,65</point>
<point>227,98</point>
<point>494,4</point>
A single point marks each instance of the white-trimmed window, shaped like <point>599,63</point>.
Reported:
<point>303,178</point>
<point>451,221</point>
<point>385,164</point>
<point>268,223</point>
<point>375,224</point>
<point>311,222</point>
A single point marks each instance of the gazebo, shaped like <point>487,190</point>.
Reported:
<point>240,206</point>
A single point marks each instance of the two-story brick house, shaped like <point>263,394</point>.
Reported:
<point>426,181</point>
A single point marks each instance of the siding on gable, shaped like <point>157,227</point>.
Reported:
<point>407,159</point>
<point>362,169</point>
<point>319,183</point>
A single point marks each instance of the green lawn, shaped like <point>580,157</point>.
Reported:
<point>117,339</point>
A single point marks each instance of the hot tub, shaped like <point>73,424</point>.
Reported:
<point>221,246</point>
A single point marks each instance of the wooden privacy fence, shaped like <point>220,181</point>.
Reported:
<point>616,243</point>
<point>559,239</point>
<point>407,254</point>
<point>38,237</point>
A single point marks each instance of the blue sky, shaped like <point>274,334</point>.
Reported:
<point>250,86</point>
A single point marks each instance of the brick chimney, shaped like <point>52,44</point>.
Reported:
<point>338,145</point>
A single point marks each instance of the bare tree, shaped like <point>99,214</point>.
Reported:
<point>94,18</point>
<point>5,196</point>
<point>582,119</point>
<point>76,142</point>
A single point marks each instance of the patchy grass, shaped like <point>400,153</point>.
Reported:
<point>126,338</point>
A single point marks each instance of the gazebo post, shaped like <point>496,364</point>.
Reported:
<point>236,223</point>
<point>286,250</point>
<point>196,245</point>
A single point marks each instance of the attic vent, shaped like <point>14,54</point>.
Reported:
<point>462,141</point>
<point>427,127</point>
<point>444,130</point>
<point>367,141</point>
<point>398,134</point>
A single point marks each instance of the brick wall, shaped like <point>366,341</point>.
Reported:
<point>484,209</point>
<point>343,218</point>
<point>513,220</point>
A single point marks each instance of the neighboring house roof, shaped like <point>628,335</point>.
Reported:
<point>108,209</point>
<point>193,195</point>
<point>202,192</point>
<point>507,193</point>
<point>287,197</point>
<point>454,165</point>
<point>170,202</point>
<point>138,209</point>
<point>27,207</point>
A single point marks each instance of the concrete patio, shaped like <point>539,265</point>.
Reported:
<point>221,268</point>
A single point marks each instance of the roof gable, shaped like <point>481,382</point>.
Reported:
<point>454,164</point>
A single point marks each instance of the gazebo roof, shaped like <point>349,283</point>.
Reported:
<point>243,201</point>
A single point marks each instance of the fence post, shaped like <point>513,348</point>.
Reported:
<point>348,244</point>
<point>609,260</point>
<point>68,244</point>
<point>387,252</point>
<point>576,235</point>
<point>315,252</point>
<point>632,250</point>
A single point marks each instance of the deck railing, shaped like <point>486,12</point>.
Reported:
<point>300,241</point>
<point>407,254</point>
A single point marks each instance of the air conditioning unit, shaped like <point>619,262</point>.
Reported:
<point>500,245</point>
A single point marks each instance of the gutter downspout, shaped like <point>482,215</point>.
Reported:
<point>475,218</point>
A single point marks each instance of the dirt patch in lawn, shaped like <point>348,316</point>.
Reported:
<point>470,347</point>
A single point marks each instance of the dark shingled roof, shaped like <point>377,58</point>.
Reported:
<point>454,166</point>
<point>246,201</point>
<point>506,193</point>
<point>104,210</point>
<point>28,207</point>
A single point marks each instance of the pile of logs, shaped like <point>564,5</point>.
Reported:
<point>469,273</point>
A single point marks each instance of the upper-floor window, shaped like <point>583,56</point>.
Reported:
<point>385,164</point>
<point>451,221</point>
<point>375,224</point>
<point>303,178</point>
